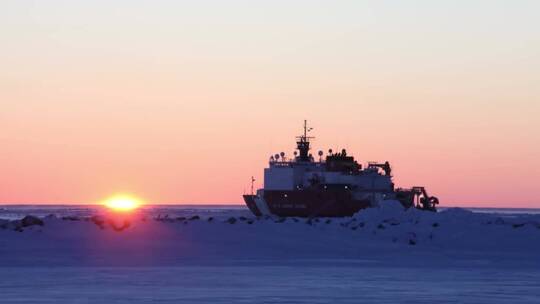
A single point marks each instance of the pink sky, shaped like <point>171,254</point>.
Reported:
<point>180,103</point>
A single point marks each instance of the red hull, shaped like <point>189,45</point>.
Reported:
<point>307,203</point>
<point>313,203</point>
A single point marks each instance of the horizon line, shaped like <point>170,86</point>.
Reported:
<point>474,205</point>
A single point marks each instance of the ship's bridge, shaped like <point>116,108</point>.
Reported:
<point>303,172</point>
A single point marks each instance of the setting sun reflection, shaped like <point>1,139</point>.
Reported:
<point>122,202</point>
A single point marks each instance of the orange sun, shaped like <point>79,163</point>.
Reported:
<point>122,202</point>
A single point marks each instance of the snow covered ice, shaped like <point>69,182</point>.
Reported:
<point>383,255</point>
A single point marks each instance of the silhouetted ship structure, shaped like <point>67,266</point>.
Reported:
<point>328,187</point>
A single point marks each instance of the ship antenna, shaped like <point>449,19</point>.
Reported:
<point>252,181</point>
<point>306,129</point>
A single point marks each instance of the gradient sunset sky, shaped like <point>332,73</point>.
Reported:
<point>183,101</point>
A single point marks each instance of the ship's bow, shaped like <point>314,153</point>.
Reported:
<point>250,203</point>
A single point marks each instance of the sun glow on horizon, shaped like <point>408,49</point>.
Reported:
<point>122,202</point>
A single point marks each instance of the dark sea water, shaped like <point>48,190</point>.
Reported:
<point>19,211</point>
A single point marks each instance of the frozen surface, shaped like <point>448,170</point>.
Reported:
<point>268,284</point>
<point>383,255</point>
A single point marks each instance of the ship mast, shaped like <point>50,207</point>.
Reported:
<point>303,144</point>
